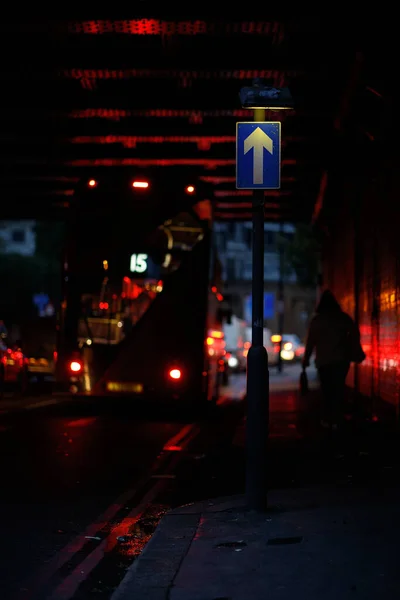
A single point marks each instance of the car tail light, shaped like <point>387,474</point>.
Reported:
<point>75,366</point>
<point>216,334</point>
<point>175,374</point>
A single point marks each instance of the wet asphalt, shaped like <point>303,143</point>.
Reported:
<point>85,483</point>
<point>63,466</point>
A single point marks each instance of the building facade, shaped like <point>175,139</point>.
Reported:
<point>234,248</point>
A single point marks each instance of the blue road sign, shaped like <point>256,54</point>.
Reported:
<point>258,155</point>
<point>269,307</point>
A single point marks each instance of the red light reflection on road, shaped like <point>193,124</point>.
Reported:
<point>82,422</point>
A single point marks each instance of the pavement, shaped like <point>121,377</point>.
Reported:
<point>287,380</point>
<point>330,531</point>
<point>312,543</point>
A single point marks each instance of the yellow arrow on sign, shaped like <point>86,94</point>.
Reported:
<point>258,140</point>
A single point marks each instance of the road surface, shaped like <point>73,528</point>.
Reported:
<point>85,482</point>
<point>83,486</point>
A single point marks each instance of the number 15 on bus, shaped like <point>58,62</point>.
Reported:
<point>139,263</point>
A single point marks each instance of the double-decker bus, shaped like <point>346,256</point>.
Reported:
<point>144,317</point>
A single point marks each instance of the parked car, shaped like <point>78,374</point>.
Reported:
<point>13,369</point>
<point>292,347</point>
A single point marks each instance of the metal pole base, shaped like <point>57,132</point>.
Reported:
<point>257,428</point>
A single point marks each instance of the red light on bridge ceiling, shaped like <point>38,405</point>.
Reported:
<point>75,366</point>
<point>190,189</point>
<point>219,297</point>
<point>140,184</point>
<point>194,116</point>
<point>214,289</point>
<point>154,27</point>
<point>175,374</point>
<point>209,163</point>
<point>277,77</point>
<point>92,183</point>
<point>103,305</point>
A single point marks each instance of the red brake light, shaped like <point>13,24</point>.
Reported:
<point>92,183</point>
<point>190,189</point>
<point>140,184</point>
<point>175,374</point>
<point>75,366</point>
